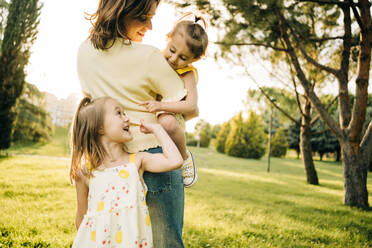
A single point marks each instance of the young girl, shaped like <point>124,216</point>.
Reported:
<point>187,43</point>
<point>111,206</point>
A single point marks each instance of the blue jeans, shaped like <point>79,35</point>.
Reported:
<point>165,199</point>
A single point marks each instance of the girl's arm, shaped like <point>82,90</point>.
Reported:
<point>189,106</point>
<point>82,190</point>
<point>170,159</point>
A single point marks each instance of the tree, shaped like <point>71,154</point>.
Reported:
<point>204,130</point>
<point>190,139</point>
<point>293,138</point>
<point>279,144</point>
<point>315,34</point>
<point>246,139</point>
<point>323,141</point>
<point>222,136</point>
<point>292,107</point>
<point>19,34</point>
<point>32,123</point>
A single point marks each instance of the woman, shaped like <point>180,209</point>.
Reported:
<point>113,62</point>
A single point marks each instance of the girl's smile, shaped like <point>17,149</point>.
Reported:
<point>116,123</point>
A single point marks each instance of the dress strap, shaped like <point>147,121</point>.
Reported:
<point>132,158</point>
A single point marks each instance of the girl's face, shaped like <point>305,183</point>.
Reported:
<point>116,123</point>
<point>137,27</point>
<point>177,54</point>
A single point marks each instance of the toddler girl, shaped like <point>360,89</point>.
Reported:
<point>111,206</point>
<point>187,43</point>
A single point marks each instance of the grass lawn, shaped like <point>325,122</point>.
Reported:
<point>235,203</point>
<point>58,146</point>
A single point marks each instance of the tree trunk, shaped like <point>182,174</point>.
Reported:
<point>305,147</point>
<point>355,176</point>
<point>370,158</point>
<point>338,154</point>
<point>321,156</point>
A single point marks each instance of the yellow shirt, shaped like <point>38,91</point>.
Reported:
<point>130,74</point>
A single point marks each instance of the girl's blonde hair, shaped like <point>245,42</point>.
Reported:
<point>87,151</point>
<point>195,35</point>
<point>108,20</point>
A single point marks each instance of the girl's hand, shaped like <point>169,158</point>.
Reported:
<point>148,127</point>
<point>151,105</point>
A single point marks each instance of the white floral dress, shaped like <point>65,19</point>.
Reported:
<point>117,214</point>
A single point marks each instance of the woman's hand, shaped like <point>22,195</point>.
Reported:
<point>151,106</point>
<point>148,127</point>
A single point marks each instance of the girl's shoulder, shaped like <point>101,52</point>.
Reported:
<point>186,69</point>
<point>187,72</point>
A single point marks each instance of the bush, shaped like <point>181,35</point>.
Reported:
<point>190,139</point>
<point>222,136</point>
<point>246,139</point>
<point>279,144</point>
<point>204,130</point>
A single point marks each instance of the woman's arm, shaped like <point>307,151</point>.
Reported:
<point>170,159</point>
<point>189,106</point>
<point>82,191</point>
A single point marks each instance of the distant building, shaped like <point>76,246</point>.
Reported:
<point>61,110</point>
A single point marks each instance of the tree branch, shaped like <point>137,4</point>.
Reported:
<point>325,39</point>
<point>327,108</point>
<point>305,83</point>
<point>367,138</point>
<point>364,62</point>
<point>295,88</point>
<point>248,44</point>
<point>268,97</point>
<point>307,57</point>
<point>357,17</point>
<point>325,2</point>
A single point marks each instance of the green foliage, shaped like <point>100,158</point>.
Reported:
<point>32,123</point>
<point>246,138</point>
<point>293,138</point>
<point>235,141</point>
<point>19,34</point>
<point>323,141</point>
<point>215,130</point>
<point>190,139</point>
<point>279,144</point>
<point>204,130</point>
<point>58,145</point>
<point>256,101</point>
<point>235,204</point>
<point>222,136</point>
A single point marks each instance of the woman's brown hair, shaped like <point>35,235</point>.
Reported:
<point>87,151</point>
<point>108,20</point>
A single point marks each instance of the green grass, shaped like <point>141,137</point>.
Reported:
<point>58,146</point>
<point>235,203</point>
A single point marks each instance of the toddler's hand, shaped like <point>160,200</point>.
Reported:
<point>148,127</point>
<point>151,105</point>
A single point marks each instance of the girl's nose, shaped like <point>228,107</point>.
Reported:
<point>172,59</point>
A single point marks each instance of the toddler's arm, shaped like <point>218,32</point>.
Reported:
<point>170,159</point>
<point>82,190</point>
<point>187,107</point>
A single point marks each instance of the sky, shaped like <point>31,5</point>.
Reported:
<point>63,27</point>
<point>52,68</point>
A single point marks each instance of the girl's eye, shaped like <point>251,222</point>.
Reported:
<point>119,113</point>
<point>184,59</point>
<point>172,50</point>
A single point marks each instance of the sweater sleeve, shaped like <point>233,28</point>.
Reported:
<point>164,81</point>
